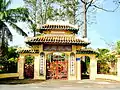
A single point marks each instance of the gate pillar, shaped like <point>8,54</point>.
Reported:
<point>78,68</point>
<point>21,67</point>
<point>118,66</point>
<point>42,66</point>
<point>93,68</point>
<point>36,67</point>
<point>72,67</point>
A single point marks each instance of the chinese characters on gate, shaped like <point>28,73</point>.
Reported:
<point>41,64</point>
<point>72,66</point>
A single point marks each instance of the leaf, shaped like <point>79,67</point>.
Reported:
<point>18,29</point>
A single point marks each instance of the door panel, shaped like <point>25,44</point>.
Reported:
<point>57,68</point>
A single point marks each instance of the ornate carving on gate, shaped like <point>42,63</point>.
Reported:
<point>57,48</point>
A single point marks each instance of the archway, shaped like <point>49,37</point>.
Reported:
<point>85,67</point>
<point>29,67</point>
<point>57,66</point>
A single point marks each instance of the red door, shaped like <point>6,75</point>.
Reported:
<point>57,70</point>
<point>28,71</point>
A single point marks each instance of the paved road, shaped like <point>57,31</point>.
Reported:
<point>65,85</point>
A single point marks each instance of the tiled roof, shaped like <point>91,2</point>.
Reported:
<point>86,51</point>
<point>60,39</point>
<point>26,50</point>
<point>58,27</point>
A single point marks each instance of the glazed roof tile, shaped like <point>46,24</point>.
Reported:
<point>58,27</point>
<point>56,39</point>
<point>86,51</point>
<point>27,50</point>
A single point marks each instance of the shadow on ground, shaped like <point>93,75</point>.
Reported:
<point>85,76</point>
<point>14,81</point>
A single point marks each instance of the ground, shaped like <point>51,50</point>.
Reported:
<point>63,85</point>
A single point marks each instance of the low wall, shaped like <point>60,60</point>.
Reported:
<point>9,75</point>
<point>111,77</point>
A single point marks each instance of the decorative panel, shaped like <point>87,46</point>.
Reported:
<point>57,66</point>
<point>57,48</point>
<point>72,63</point>
<point>42,60</point>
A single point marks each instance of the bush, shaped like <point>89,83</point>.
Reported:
<point>8,67</point>
<point>102,67</point>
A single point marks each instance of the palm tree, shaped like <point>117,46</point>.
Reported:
<point>10,17</point>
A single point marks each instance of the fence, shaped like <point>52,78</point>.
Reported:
<point>111,77</point>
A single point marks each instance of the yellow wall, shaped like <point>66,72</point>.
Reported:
<point>77,64</point>
<point>35,47</point>
<point>78,47</point>
<point>9,75</point>
<point>58,32</point>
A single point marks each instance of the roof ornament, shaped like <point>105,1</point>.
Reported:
<point>84,39</point>
<point>57,22</point>
<point>61,22</point>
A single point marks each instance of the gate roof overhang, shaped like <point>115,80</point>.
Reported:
<point>86,51</point>
<point>56,40</point>
<point>27,50</point>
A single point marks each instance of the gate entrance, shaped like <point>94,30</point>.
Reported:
<point>57,66</point>
<point>29,67</point>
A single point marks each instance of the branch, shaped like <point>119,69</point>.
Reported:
<point>106,9</point>
<point>89,5</point>
<point>79,14</point>
<point>83,1</point>
<point>81,24</point>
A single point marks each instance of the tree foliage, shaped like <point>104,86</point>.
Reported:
<point>105,55</point>
<point>80,12</point>
<point>105,59</point>
<point>29,59</point>
<point>9,62</point>
<point>39,12</point>
<point>118,47</point>
<point>11,17</point>
<point>67,10</point>
<point>12,54</point>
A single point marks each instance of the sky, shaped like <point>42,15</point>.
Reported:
<point>105,31</point>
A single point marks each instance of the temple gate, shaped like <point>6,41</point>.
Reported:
<point>57,53</point>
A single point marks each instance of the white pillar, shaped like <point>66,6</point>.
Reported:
<point>21,67</point>
<point>36,67</point>
<point>69,66</point>
<point>118,67</point>
<point>93,68</point>
<point>78,68</point>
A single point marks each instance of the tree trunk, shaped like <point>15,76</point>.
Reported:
<point>85,20</point>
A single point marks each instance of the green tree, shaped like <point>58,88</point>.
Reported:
<point>118,47</point>
<point>10,17</point>
<point>10,62</point>
<point>90,6</point>
<point>102,52</point>
<point>39,12</point>
<point>12,54</point>
<point>29,59</point>
<point>67,10</point>
<point>80,12</point>
<point>105,57</point>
